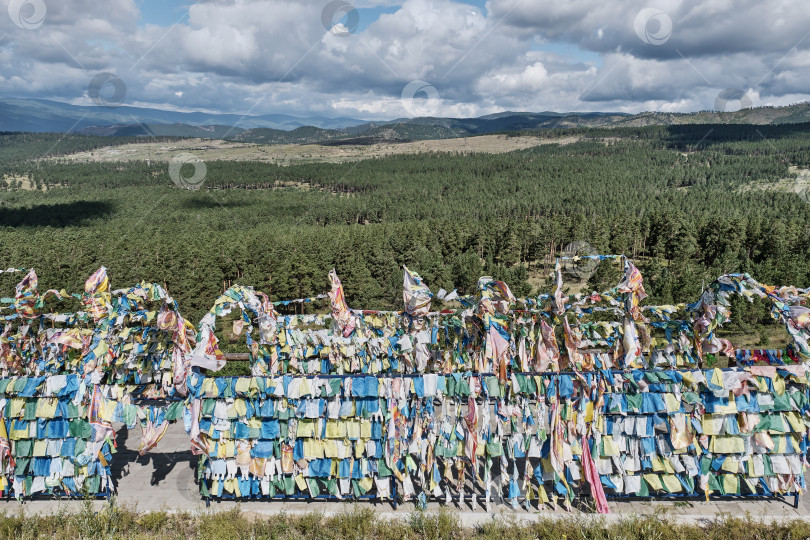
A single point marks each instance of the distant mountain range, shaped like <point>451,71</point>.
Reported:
<point>443,128</point>
<point>54,116</point>
<point>51,116</point>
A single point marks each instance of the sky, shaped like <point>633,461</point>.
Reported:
<point>386,59</point>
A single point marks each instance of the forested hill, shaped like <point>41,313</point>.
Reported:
<point>416,129</point>
<point>687,202</point>
<point>438,128</point>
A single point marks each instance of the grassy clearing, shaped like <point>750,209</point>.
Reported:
<point>798,182</point>
<point>116,522</point>
<point>288,154</point>
<point>23,182</point>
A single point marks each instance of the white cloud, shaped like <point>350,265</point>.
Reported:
<point>531,78</point>
<point>275,56</point>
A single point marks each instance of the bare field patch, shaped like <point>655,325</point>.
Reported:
<point>799,185</point>
<point>288,154</point>
<point>24,183</point>
<point>160,151</point>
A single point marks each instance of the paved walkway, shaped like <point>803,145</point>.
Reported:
<point>164,480</point>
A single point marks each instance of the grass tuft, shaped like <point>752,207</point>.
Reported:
<point>110,520</point>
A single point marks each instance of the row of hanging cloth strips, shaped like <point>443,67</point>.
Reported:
<point>382,342</point>
<point>125,354</point>
<point>57,436</point>
<point>488,329</point>
<point>454,342</point>
<point>347,443</point>
<point>395,342</point>
<point>484,384</point>
<point>143,354</point>
<point>138,357</point>
<point>271,436</point>
<point>134,335</point>
<point>68,397</point>
<point>120,351</point>
<point>137,334</point>
<point>524,400</point>
<point>353,361</point>
<point>49,444</point>
<point>744,434</point>
<point>778,357</point>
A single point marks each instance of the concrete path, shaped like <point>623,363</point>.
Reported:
<point>164,480</point>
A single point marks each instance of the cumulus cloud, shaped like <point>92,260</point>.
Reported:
<point>264,56</point>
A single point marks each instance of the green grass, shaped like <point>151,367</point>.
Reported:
<point>113,521</point>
